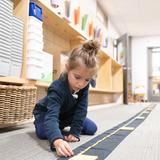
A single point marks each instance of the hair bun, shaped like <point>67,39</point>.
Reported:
<point>91,46</point>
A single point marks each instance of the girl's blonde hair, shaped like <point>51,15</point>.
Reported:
<point>86,53</point>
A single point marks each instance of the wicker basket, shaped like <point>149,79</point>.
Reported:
<point>16,103</point>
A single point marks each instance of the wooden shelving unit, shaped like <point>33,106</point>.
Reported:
<point>60,36</point>
<point>12,80</point>
<point>37,83</point>
<point>117,77</point>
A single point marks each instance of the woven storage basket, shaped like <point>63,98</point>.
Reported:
<point>16,103</point>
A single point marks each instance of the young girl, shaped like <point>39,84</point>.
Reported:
<point>67,101</point>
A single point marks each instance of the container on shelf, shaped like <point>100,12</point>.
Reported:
<point>17,47</point>
<point>35,10</point>
<point>4,66</point>
<point>35,36</point>
<point>15,69</point>
<point>33,21</point>
<point>35,31</point>
<point>3,52</point>
<point>34,64</point>
<point>55,3</point>
<point>6,6</point>
<point>35,58</point>
<point>47,70</point>
<point>35,44</point>
<point>34,71</point>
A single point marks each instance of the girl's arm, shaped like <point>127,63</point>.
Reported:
<point>80,113</point>
<point>51,123</point>
<point>55,100</point>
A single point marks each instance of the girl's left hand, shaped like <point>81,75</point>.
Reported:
<point>71,138</point>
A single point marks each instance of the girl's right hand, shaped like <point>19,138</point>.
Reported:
<point>63,148</point>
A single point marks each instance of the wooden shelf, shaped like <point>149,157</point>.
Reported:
<point>13,80</point>
<point>105,52</point>
<point>57,22</point>
<point>61,36</point>
<point>38,83</point>
<point>117,78</point>
<point>116,64</point>
<point>104,55</point>
<point>103,90</point>
<point>117,91</point>
<point>42,84</point>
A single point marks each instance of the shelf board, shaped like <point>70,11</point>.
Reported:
<point>59,24</point>
<point>13,80</point>
<point>117,91</point>
<point>103,55</point>
<point>104,90</point>
<point>64,27</point>
<point>115,63</point>
<point>105,52</point>
<point>42,84</point>
<point>38,83</point>
<point>115,66</point>
<point>79,31</point>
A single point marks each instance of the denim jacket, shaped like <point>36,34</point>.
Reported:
<point>60,109</point>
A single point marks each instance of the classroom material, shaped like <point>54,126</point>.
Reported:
<point>84,157</point>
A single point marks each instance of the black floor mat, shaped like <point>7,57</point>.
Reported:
<point>103,144</point>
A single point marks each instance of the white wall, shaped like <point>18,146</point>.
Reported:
<point>112,32</point>
<point>139,59</point>
<point>112,35</point>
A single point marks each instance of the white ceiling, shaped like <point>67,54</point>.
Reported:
<point>135,17</point>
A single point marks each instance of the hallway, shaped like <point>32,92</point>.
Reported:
<point>142,143</point>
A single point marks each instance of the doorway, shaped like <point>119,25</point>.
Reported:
<point>123,57</point>
<point>154,74</point>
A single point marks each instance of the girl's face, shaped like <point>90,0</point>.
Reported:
<point>79,77</point>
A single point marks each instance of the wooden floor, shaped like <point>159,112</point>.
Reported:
<point>143,143</point>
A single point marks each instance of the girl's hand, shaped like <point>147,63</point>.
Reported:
<point>63,148</point>
<point>71,138</point>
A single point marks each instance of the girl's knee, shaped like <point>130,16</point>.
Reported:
<point>92,130</point>
<point>40,132</point>
<point>41,135</point>
<point>89,127</point>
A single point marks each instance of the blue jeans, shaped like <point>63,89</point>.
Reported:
<point>89,128</point>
